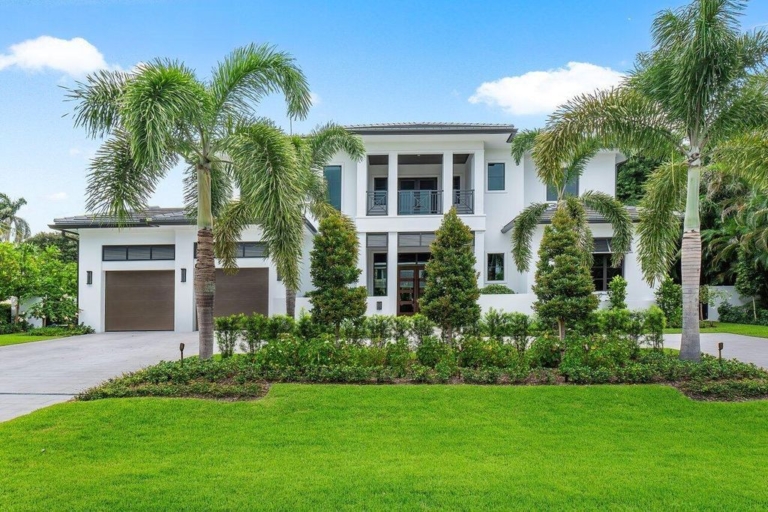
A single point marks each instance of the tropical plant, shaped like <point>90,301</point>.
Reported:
<point>528,220</point>
<point>333,267</point>
<point>162,112</point>
<point>689,102</point>
<point>12,227</point>
<point>451,292</point>
<point>67,245</point>
<point>19,274</point>
<point>563,283</point>
<point>313,153</point>
<point>55,289</point>
<point>617,293</point>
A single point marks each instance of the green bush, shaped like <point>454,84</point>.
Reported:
<point>379,329</point>
<point>617,293</point>
<point>401,327</point>
<point>306,328</point>
<point>422,327</point>
<point>495,324</point>
<point>254,332</point>
<point>399,356</point>
<point>545,351</point>
<point>353,330</point>
<point>745,314</point>
<point>669,298</point>
<point>279,325</point>
<point>431,350</point>
<point>228,331</point>
<point>5,313</point>
<point>614,321</point>
<point>520,328</point>
<point>60,330</point>
<point>496,289</point>
<point>654,323</point>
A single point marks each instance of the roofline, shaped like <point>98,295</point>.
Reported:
<point>509,225</point>
<point>436,130</point>
<point>147,224</point>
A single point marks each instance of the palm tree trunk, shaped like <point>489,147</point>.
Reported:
<point>205,268</point>
<point>690,345</point>
<point>290,302</point>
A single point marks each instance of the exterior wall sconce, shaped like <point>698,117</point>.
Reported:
<point>183,275</point>
<point>89,277</point>
<point>378,305</point>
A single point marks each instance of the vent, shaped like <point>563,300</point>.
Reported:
<point>377,240</point>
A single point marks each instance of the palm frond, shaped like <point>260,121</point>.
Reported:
<point>221,187</point>
<point>616,214</point>
<point>117,184</point>
<point>660,219</point>
<point>251,72</point>
<point>234,217</point>
<point>745,156</point>
<point>575,208</point>
<point>523,228</point>
<point>97,108</point>
<point>523,142</point>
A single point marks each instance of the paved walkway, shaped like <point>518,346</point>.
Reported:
<point>38,374</point>
<point>735,346</point>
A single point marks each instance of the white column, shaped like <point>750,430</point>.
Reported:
<point>392,272</point>
<point>447,181</point>
<point>362,259</point>
<point>392,185</point>
<point>362,187</point>
<point>478,181</point>
<point>480,257</point>
<point>184,309</point>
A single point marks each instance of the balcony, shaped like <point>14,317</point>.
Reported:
<point>420,202</point>
<point>377,202</point>
<point>464,201</point>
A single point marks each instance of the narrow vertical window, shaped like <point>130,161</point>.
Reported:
<point>333,181</point>
<point>496,176</point>
<point>495,267</point>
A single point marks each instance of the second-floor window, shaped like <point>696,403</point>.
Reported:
<point>332,175</point>
<point>571,189</point>
<point>495,267</point>
<point>137,252</point>
<point>496,176</point>
<point>244,250</point>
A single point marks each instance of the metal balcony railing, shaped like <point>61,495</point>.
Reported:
<point>420,202</point>
<point>377,202</point>
<point>464,201</point>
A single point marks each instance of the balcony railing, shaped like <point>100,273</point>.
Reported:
<point>464,201</point>
<point>420,202</point>
<point>377,202</point>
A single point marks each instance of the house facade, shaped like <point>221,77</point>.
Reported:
<point>140,277</point>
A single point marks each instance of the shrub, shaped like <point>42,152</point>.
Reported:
<point>398,356</point>
<point>255,329</point>
<point>617,293</point>
<point>401,327</point>
<point>60,330</point>
<point>654,325</point>
<point>353,330</point>
<point>228,329</point>
<point>520,327</point>
<point>379,329</point>
<point>431,350</point>
<point>306,328</point>
<point>614,321</point>
<point>669,298</point>
<point>636,326</point>
<point>545,351</point>
<point>5,313</point>
<point>495,324</point>
<point>496,289</point>
<point>745,314</point>
<point>421,327</point>
<point>279,325</point>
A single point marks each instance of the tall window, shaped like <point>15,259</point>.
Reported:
<point>495,267</point>
<point>602,271</point>
<point>496,176</point>
<point>379,274</point>
<point>571,189</point>
<point>333,180</point>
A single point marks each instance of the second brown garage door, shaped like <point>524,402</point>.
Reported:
<point>139,301</point>
<point>245,292</point>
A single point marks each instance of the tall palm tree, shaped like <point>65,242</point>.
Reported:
<point>526,222</point>
<point>314,152</point>
<point>162,113</point>
<point>696,89</point>
<point>11,225</point>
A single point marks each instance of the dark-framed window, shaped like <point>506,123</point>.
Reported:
<point>138,252</point>
<point>602,270</point>
<point>571,189</point>
<point>379,274</point>
<point>245,250</point>
<point>332,175</point>
<point>496,176</point>
<point>495,269</point>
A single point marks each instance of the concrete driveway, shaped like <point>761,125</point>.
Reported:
<point>38,374</point>
<point>735,346</point>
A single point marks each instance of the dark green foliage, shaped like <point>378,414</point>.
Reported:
<point>630,178</point>
<point>278,325</point>
<point>354,330</point>
<point>254,329</point>
<point>450,297</point>
<point>431,350</point>
<point>751,282</point>
<point>669,298</point>
<point>5,313</point>
<point>545,351</point>
<point>495,324</point>
<point>726,390</point>
<point>520,328</point>
<point>334,272</point>
<point>614,321</point>
<point>228,331</point>
<point>617,293</point>
<point>66,245</point>
<point>654,323</point>
<point>563,284</point>
<point>75,330</point>
<point>746,314</point>
<point>399,357</point>
<point>422,327</point>
<point>401,327</point>
<point>379,329</point>
<point>306,328</point>
<point>496,289</point>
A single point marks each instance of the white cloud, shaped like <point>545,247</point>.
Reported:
<point>75,57</point>
<point>75,151</point>
<point>57,196</point>
<point>541,92</point>
<point>315,98</point>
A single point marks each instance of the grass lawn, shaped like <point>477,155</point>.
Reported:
<point>16,338</point>
<point>760,331</point>
<point>337,447</point>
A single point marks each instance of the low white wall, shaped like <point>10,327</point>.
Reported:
<point>509,303</point>
<point>303,304</point>
<point>731,297</point>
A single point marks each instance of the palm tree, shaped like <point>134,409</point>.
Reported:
<point>314,152</point>
<point>162,113</point>
<point>698,88</point>
<point>526,222</point>
<point>11,225</point>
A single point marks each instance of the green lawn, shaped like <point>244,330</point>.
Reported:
<point>16,338</point>
<point>336,447</point>
<point>760,331</point>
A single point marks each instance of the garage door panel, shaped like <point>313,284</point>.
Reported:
<point>246,291</point>
<point>139,300</point>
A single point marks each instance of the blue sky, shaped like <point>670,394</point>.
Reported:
<point>504,61</point>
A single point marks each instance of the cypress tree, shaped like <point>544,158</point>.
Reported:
<point>564,286</point>
<point>334,271</point>
<point>450,297</point>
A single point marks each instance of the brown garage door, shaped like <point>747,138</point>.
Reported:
<point>246,292</point>
<point>139,301</point>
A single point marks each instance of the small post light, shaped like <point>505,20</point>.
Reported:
<point>720,351</point>
<point>183,275</point>
<point>181,349</point>
<point>89,277</point>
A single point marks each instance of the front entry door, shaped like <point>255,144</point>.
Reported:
<point>411,280</point>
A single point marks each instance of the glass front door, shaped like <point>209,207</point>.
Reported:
<point>411,281</point>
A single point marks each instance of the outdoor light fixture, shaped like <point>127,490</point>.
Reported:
<point>181,349</point>
<point>183,275</point>
<point>720,351</point>
<point>89,277</point>
<point>378,305</point>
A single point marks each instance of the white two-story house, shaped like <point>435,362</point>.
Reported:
<point>140,277</point>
